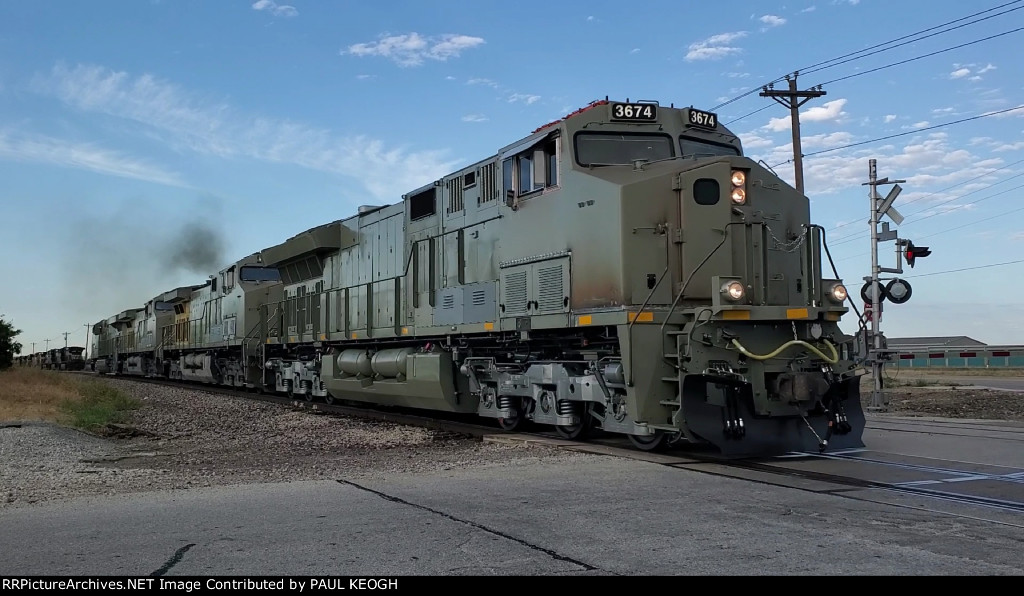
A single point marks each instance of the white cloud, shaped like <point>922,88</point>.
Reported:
<point>363,77</point>
<point>920,124</point>
<point>529,99</point>
<point>772,20</point>
<point>825,141</point>
<point>959,73</point>
<point>737,75</point>
<point>926,159</point>
<point>823,113</point>
<point>1010,147</point>
<point>945,209</point>
<point>986,69</point>
<point>635,51</point>
<point>974,78</point>
<point>487,82</point>
<point>714,47</point>
<point>938,111</point>
<point>278,10</point>
<point>474,118</point>
<point>412,49</point>
<point>590,18</point>
<point>186,121</point>
<point>751,140</point>
<point>889,118</point>
<point>808,9</point>
<point>82,156</point>
<point>449,78</point>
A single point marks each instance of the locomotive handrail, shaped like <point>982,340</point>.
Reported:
<point>793,342</point>
<point>686,283</point>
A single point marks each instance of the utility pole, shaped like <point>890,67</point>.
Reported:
<point>33,347</point>
<point>793,99</point>
<point>47,345</point>
<point>85,356</point>
<point>66,333</point>
<point>879,207</point>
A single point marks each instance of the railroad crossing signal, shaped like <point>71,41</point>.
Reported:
<point>897,291</point>
<point>912,253</point>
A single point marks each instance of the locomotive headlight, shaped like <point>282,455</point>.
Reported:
<point>837,293</point>
<point>739,196</point>
<point>733,290</point>
<point>738,178</point>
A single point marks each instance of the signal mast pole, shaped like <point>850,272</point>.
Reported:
<point>879,207</point>
<point>793,100</point>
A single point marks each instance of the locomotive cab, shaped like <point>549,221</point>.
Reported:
<point>733,333</point>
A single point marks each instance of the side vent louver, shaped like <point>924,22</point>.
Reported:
<point>550,292</point>
<point>488,180</point>
<point>454,187</point>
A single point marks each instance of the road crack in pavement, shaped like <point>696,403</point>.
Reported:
<point>174,560</point>
<point>547,551</point>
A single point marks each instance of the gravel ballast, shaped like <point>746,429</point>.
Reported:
<point>188,438</point>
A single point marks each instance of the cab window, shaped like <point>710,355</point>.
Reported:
<point>695,148</point>
<point>532,170</point>
<point>615,149</point>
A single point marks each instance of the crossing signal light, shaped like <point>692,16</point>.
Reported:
<point>914,252</point>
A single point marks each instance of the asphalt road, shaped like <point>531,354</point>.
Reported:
<point>600,515</point>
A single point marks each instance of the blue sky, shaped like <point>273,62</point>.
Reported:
<point>130,128</point>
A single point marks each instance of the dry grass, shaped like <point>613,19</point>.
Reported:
<point>33,394</point>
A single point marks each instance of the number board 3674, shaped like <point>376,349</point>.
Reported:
<point>703,119</point>
<point>636,112</point>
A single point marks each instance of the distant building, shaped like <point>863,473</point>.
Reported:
<point>917,343</point>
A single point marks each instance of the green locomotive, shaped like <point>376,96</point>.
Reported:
<point>624,268</point>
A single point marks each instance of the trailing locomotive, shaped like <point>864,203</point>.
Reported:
<point>67,358</point>
<point>625,268</point>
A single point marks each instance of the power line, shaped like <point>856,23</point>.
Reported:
<point>965,204</point>
<point>808,69</point>
<point>928,55</point>
<point>998,215</point>
<point>822,64</point>
<point>968,268</point>
<point>903,134</point>
<point>922,197</point>
<point>859,236</point>
<point>848,239</point>
<point>761,109</point>
<point>915,40</point>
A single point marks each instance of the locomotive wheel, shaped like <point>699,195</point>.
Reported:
<point>649,442</point>
<point>309,395</point>
<point>329,399</point>
<point>577,432</point>
<point>512,423</point>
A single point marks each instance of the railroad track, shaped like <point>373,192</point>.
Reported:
<point>770,471</point>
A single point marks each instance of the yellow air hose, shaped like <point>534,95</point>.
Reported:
<point>779,350</point>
